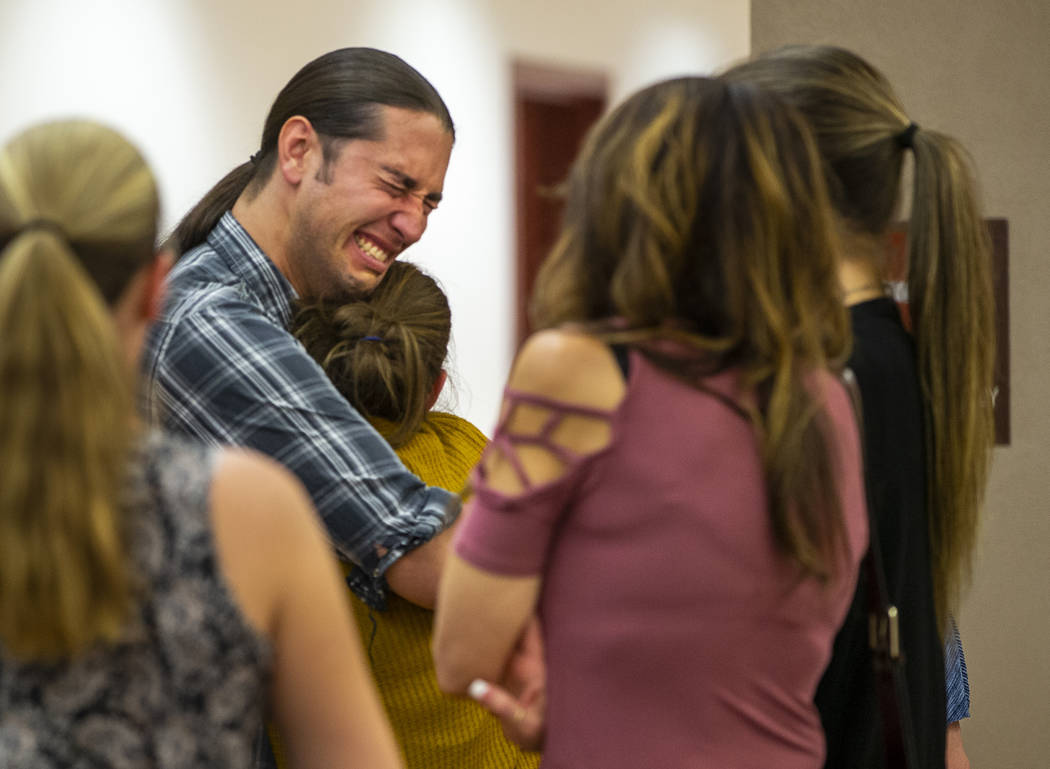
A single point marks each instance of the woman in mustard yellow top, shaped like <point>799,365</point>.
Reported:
<point>385,354</point>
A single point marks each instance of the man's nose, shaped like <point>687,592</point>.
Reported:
<point>410,220</point>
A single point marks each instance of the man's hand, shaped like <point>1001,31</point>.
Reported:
<point>519,701</point>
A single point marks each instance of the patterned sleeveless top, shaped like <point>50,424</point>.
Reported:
<point>185,686</point>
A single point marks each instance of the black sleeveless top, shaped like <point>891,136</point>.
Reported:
<point>883,360</point>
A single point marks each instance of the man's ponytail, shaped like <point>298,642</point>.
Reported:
<point>194,227</point>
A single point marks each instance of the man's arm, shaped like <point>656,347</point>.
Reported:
<point>228,375</point>
<point>415,575</point>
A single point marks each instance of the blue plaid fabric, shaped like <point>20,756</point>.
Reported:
<point>221,366</point>
<point>956,680</point>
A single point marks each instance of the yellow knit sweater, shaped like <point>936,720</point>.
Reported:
<point>435,731</point>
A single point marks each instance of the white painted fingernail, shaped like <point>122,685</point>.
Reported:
<point>478,689</point>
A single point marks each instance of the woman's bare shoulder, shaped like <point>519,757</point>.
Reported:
<point>570,366</point>
<point>247,483</point>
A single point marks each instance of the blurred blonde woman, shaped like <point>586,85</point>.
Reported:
<point>386,354</point>
<point>674,485</point>
<point>927,394</point>
<point>151,591</point>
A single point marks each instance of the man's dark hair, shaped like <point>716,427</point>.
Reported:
<point>340,94</point>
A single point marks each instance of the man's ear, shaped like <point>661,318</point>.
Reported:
<point>436,389</point>
<point>296,141</point>
<point>156,284</point>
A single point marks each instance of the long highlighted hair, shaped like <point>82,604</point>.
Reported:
<point>859,123</point>
<point>78,218</point>
<point>698,219</point>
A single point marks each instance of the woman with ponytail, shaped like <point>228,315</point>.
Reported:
<point>675,484</point>
<point>386,355</point>
<point>139,625</point>
<point>927,395</point>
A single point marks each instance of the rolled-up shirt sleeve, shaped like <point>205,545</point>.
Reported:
<point>226,374</point>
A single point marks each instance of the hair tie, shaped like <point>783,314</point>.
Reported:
<point>43,223</point>
<point>906,138</point>
<point>371,339</point>
<point>254,159</point>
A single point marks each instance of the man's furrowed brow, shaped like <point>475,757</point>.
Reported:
<point>409,183</point>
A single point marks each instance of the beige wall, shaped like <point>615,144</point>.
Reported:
<point>981,71</point>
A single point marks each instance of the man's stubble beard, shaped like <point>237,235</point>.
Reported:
<point>308,253</point>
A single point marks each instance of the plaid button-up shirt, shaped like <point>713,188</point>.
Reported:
<point>221,366</point>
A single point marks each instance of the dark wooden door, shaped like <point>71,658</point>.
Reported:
<point>553,110</point>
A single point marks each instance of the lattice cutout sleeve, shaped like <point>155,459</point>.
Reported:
<point>524,483</point>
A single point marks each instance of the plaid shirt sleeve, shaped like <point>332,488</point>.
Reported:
<point>227,374</point>
<point>957,682</point>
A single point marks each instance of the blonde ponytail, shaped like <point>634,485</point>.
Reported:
<point>864,134</point>
<point>67,411</point>
<point>952,309</point>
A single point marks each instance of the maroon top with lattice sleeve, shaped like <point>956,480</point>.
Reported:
<point>676,633</point>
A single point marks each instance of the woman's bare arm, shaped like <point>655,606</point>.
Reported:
<point>285,577</point>
<point>481,615</point>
